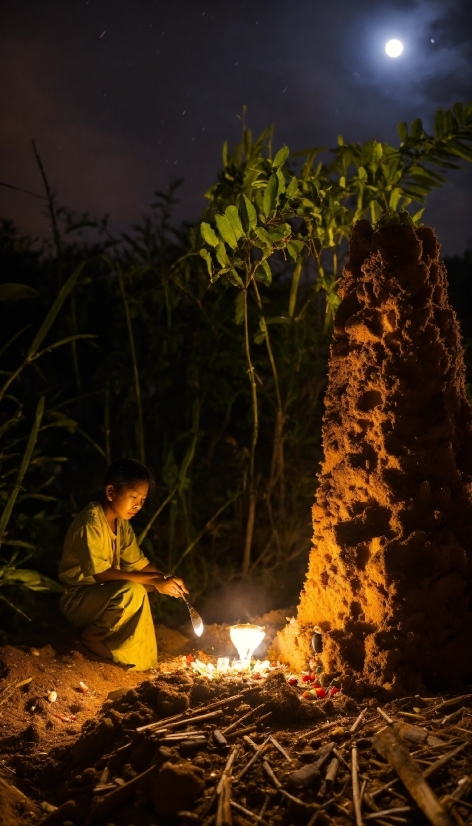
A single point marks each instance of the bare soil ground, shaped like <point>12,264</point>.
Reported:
<point>80,759</point>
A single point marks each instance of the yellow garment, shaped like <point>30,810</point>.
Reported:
<point>118,611</point>
<point>91,547</point>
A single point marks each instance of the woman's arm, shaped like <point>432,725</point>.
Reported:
<point>149,576</point>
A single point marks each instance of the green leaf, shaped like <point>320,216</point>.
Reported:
<point>402,129</point>
<point>439,123</point>
<point>375,211</point>
<point>417,129</point>
<point>207,257</point>
<point>23,467</point>
<point>292,188</point>
<point>239,308</point>
<point>31,579</point>
<point>67,340</point>
<point>226,231</point>
<point>54,310</point>
<point>235,278</point>
<point>281,157</point>
<point>270,195</point>
<point>264,236</point>
<point>16,292</point>
<point>221,255</point>
<point>232,215</point>
<point>208,234</point>
<point>416,218</point>
<point>263,273</point>
<point>248,214</point>
<point>294,249</point>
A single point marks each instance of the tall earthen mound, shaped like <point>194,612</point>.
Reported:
<point>389,576</point>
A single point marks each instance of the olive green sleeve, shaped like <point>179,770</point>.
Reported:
<point>91,550</point>
<point>131,555</point>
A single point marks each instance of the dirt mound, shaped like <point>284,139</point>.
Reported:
<point>178,745</point>
<point>390,570</point>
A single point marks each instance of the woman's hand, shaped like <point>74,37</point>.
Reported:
<point>171,586</point>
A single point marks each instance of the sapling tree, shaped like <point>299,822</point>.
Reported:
<point>304,208</point>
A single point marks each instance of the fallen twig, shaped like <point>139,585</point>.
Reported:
<point>251,727</point>
<point>223,812</point>
<point>153,727</point>
<point>355,787</point>
<point>386,812</point>
<point>242,719</point>
<point>385,716</point>
<point>358,722</point>
<point>280,748</point>
<point>262,748</point>
<point>390,746</point>
<point>247,812</point>
<point>445,759</point>
<point>188,714</point>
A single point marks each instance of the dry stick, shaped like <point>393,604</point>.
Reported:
<point>176,723</point>
<point>242,719</point>
<point>385,715</point>
<point>223,812</point>
<point>246,812</point>
<point>64,812</point>
<point>451,703</point>
<point>111,801</point>
<point>228,768</point>
<point>355,786</point>
<point>387,812</point>
<point>385,788</point>
<point>252,727</point>
<point>187,715</point>
<point>280,748</point>
<point>445,759</point>
<point>390,746</point>
<point>253,759</point>
<point>278,785</point>
<point>358,721</point>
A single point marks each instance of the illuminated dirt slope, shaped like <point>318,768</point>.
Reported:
<point>391,563</point>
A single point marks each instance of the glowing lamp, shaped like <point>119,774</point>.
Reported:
<point>245,639</point>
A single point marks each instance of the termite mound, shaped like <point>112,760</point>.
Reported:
<point>389,576</point>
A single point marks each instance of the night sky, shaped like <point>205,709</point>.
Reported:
<point>123,95</point>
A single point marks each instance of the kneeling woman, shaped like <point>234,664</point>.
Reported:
<point>106,575</point>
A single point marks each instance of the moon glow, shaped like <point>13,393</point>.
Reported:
<point>394,48</point>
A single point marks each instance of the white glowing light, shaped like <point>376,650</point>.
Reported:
<point>394,48</point>
<point>245,639</point>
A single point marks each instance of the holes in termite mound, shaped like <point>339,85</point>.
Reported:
<point>369,400</point>
<point>373,522</point>
<point>365,459</point>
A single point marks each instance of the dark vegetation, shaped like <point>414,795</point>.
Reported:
<point>201,350</point>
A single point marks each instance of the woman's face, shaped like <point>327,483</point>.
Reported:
<point>127,501</point>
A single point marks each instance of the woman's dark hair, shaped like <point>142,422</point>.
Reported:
<point>126,472</point>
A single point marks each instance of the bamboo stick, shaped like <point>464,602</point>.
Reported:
<point>223,812</point>
<point>358,722</point>
<point>262,748</point>
<point>445,759</point>
<point>187,715</point>
<point>242,719</point>
<point>355,787</point>
<point>390,746</point>
<point>176,723</point>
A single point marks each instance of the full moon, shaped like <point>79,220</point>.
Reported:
<point>394,48</point>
